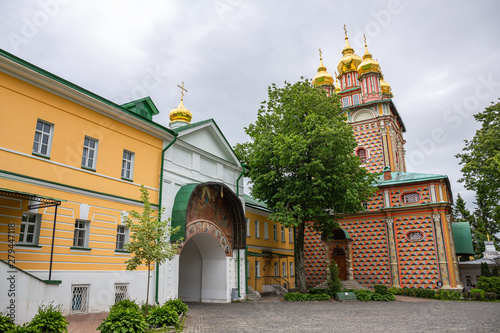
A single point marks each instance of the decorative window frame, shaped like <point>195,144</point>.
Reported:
<point>410,203</point>
<point>415,231</point>
<point>367,152</point>
<point>370,114</point>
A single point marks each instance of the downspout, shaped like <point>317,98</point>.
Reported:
<point>238,195</point>
<point>246,268</point>
<point>159,208</point>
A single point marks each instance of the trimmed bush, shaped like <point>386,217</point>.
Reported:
<point>124,320</point>
<point>316,291</point>
<point>395,290</point>
<point>293,297</point>
<point>125,304</point>
<point>380,289</point>
<point>178,305</point>
<point>489,284</point>
<point>364,295</point>
<point>334,283</point>
<point>383,297</point>
<point>490,296</point>
<point>477,294</point>
<point>49,318</point>
<point>163,316</point>
<point>450,295</point>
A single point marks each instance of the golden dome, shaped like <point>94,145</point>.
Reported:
<point>350,61</point>
<point>180,113</point>
<point>322,77</point>
<point>385,87</point>
<point>368,65</point>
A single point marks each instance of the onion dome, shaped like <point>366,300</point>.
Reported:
<point>350,61</point>
<point>368,65</point>
<point>180,113</point>
<point>385,87</point>
<point>322,77</point>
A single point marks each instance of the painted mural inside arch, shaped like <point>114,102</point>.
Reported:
<point>209,205</point>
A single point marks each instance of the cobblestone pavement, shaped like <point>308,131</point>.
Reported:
<point>399,316</point>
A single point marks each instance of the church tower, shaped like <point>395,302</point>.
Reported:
<point>367,100</point>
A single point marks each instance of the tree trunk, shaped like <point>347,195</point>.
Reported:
<point>147,294</point>
<point>299,252</point>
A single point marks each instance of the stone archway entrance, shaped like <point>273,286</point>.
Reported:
<point>202,270</point>
<point>338,248</point>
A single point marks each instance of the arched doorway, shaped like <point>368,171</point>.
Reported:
<point>338,255</point>
<point>202,270</point>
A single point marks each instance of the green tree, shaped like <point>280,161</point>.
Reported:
<point>301,162</point>
<point>149,238</point>
<point>480,162</point>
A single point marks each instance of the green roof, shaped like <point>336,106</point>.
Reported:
<point>180,209</point>
<point>144,107</point>
<point>400,177</point>
<point>254,203</point>
<point>462,238</point>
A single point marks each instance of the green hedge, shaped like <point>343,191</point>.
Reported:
<point>489,284</point>
<point>306,297</point>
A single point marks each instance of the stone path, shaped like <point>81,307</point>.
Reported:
<point>406,314</point>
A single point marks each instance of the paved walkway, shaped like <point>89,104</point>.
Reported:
<point>270,314</point>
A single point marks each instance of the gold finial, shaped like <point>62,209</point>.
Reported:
<point>182,90</point>
<point>364,37</point>
<point>320,54</point>
<point>345,31</point>
<point>488,235</point>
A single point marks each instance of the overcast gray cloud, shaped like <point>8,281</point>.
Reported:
<point>440,57</point>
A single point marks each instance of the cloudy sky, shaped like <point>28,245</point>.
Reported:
<point>440,57</point>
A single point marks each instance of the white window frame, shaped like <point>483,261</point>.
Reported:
<point>257,269</point>
<point>276,269</point>
<point>266,230</point>
<point>291,269</point>
<point>40,135</point>
<point>275,232</point>
<point>121,292</point>
<point>30,220</point>
<point>121,237</point>
<point>84,300</point>
<point>89,155</point>
<point>283,234</point>
<point>247,220</point>
<point>290,235</point>
<point>355,99</point>
<point>128,164</point>
<point>81,226</point>
<point>257,229</point>
<point>345,101</point>
<point>283,268</point>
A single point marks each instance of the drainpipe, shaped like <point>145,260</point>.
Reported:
<point>159,208</point>
<point>246,272</point>
<point>238,195</point>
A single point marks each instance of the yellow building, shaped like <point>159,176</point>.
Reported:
<point>270,254</point>
<point>71,163</point>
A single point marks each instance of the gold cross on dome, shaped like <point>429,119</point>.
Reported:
<point>182,90</point>
<point>364,37</point>
<point>320,53</point>
<point>345,30</point>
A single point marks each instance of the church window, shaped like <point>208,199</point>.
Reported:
<point>345,101</point>
<point>414,236</point>
<point>362,155</point>
<point>410,198</point>
<point>349,79</point>
<point>355,99</point>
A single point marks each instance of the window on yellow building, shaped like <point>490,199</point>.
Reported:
<point>43,138</point>
<point>128,165</point>
<point>257,229</point>
<point>283,268</point>
<point>266,230</point>
<point>283,234</point>
<point>275,232</point>
<point>276,269</point>
<point>291,269</point>
<point>121,237</point>
<point>30,229</point>
<point>290,235</point>
<point>81,233</point>
<point>257,269</point>
<point>247,220</point>
<point>89,155</point>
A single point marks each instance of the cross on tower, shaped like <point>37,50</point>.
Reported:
<point>320,54</point>
<point>182,90</point>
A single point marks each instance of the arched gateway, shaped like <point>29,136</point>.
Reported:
<point>212,226</point>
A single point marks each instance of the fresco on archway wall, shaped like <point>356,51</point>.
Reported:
<point>206,204</point>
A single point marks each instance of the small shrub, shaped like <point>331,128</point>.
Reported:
<point>6,323</point>
<point>23,329</point>
<point>318,297</point>
<point>316,291</point>
<point>485,269</point>
<point>489,284</point>
<point>178,305</point>
<point>364,295</point>
<point>383,297</point>
<point>334,283</point>
<point>477,294</point>
<point>491,296</point>
<point>125,304</point>
<point>380,289</point>
<point>163,316</point>
<point>395,290</point>
<point>294,297</point>
<point>450,295</point>
<point>49,318</point>
<point>124,320</point>
<point>306,297</point>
